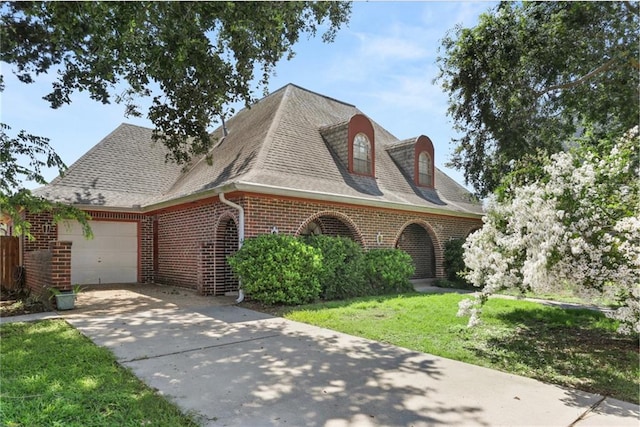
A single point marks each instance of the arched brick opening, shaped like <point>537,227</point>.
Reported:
<point>416,241</point>
<point>226,243</point>
<point>330,224</point>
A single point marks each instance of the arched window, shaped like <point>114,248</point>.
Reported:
<point>362,154</point>
<point>425,173</point>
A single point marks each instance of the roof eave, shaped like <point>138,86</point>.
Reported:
<point>133,209</point>
<point>337,198</point>
<point>250,187</point>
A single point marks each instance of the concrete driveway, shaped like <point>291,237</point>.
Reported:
<point>230,366</point>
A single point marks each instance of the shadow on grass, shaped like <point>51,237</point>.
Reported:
<point>53,375</point>
<point>576,348</point>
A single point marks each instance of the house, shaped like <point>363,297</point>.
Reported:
<point>296,162</point>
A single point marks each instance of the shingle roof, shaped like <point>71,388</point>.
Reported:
<point>126,168</point>
<point>277,143</point>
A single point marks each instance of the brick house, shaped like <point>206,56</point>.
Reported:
<point>296,162</point>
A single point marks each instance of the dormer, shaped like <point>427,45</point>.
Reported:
<point>353,142</point>
<point>415,157</point>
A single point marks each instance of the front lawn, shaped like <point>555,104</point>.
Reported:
<point>51,375</point>
<point>574,348</point>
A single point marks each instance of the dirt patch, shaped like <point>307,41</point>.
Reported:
<point>16,303</point>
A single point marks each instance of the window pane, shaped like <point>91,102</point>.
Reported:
<point>424,170</point>
<point>361,154</point>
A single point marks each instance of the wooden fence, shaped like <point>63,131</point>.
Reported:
<point>9,261</point>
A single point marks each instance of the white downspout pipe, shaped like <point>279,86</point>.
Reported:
<point>240,210</point>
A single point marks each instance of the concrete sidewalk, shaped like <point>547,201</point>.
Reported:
<point>235,367</point>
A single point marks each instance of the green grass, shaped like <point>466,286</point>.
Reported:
<point>51,375</point>
<point>574,348</point>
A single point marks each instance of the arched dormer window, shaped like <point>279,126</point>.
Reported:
<point>424,169</point>
<point>362,154</point>
<point>361,146</point>
<point>425,173</point>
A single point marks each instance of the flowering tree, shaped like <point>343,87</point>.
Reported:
<point>578,224</point>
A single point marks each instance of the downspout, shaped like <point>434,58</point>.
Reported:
<point>240,210</point>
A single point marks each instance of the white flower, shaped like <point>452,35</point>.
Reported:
<point>570,228</point>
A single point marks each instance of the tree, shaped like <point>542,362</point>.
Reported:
<point>577,226</point>
<point>14,198</point>
<point>532,75</point>
<point>192,59</point>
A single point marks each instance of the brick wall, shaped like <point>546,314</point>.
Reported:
<point>48,268</point>
<point>42,229</point>
<point>37,266</point>
<point>194,240</point>
<point>60,265</point>
<point>290,216</point>
<point>185,237</point>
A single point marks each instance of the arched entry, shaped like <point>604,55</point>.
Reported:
<point>416,241</point>
<point>331,224</point>
<point>226,243</point>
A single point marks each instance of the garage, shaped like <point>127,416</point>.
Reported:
<point>110,257</point>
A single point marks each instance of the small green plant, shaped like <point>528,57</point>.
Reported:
<point>278,269</point>
<point>76,289</point>
<point>388,271</point>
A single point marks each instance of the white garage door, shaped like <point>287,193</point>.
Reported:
<point>110,257</point>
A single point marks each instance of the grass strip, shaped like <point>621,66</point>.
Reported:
<point>51,375</point>
<point>574,348</point>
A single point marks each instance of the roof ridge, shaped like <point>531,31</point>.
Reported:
<point>134,125</point>
<point>314,93</point>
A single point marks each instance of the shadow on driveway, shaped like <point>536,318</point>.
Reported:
<point>237,367</point>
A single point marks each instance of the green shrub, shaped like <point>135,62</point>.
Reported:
<point>342,274</point>
<point>388,271</point>
<point>278,269</point>
<point>453,261</point>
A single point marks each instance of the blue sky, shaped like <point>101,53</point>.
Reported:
<point>383,62</point>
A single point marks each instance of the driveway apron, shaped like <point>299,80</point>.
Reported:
<point>229,366</point>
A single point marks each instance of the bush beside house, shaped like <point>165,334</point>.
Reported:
<point>278,269</point>
<point>342,273</point>
<point>388,271</point>
<point>281,269</point>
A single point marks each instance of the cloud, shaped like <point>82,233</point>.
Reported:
<point>396,47</point>
<point>388,38</point>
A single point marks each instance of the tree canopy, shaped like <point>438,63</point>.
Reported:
<point>532,76</point>
<point>190,59</point>
<point>201,55</point>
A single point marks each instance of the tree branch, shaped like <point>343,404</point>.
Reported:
<point>601,69</point>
